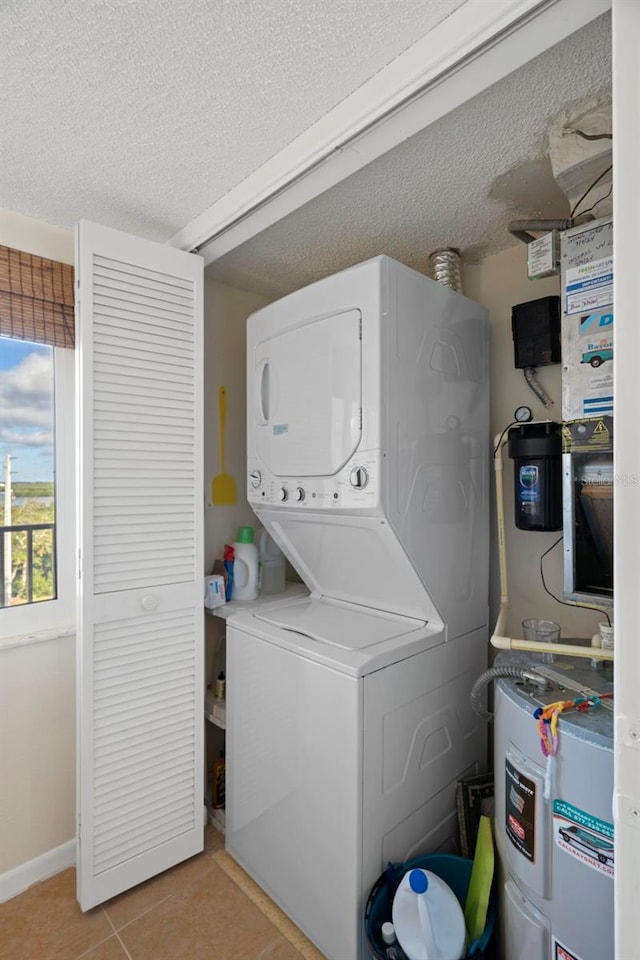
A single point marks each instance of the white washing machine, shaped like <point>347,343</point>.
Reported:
<point>347,712</point>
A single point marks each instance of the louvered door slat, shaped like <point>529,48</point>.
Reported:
<point>140,690</point>
<point>151,380</point>
<point>120,786</point>
<point>137,306</point>
<point>108,509</point>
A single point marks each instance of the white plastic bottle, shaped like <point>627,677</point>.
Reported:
<point>391,946</point>
<point>428,919</point>
<point>245,566</point>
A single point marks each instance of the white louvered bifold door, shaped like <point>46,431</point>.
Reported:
<point>140,610</point>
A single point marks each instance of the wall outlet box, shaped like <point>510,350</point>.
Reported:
<point>543,256</point>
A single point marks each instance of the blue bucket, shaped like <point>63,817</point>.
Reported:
<point>455,871</point>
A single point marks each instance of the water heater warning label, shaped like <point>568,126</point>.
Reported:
<point>520,811</point>
<point>561,953</point>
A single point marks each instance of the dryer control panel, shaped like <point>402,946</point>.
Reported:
<point>356,486</point>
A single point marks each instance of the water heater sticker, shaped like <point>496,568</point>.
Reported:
<point>561,953</point>
<point>520,811</point>
<point>280,428</point>
<point>584,837</point>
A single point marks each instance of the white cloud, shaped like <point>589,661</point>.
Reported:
<point>26,413</point>
<point>26,393</point>
<point>38,438</point>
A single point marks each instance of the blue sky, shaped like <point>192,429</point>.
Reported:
<point>26,409</point>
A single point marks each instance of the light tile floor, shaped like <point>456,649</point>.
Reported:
<point>207,908</point>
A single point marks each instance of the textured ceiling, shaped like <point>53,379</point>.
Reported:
<point>457,183</point>
<point>139,114</point>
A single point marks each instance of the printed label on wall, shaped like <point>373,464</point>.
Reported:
<point>587,322</point>
<point>588,359</point>
<point>584,837</point>
<point>520,811</point>
<point>561,953</point>
<point>589,286</point>
<point>588,435</point>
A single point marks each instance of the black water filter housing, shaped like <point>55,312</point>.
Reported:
<point>536,449</point>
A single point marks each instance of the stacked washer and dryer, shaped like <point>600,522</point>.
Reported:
<point>348,715</point>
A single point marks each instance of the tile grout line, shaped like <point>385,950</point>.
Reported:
<point>140,915</point>
<point>117,935</point>
<point>120,941</point>
<point>94,946</point>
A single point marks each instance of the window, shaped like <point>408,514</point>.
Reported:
<point>37,534</point>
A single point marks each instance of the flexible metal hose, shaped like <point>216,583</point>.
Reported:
<point>494,673</point>
<point>520,228</point>
<point>538,389</point>
<point>446,268</point>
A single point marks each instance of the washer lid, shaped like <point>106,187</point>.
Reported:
<point>343,636</point>
<point>340,624</point>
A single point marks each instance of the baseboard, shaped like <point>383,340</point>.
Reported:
<point>40,868</point>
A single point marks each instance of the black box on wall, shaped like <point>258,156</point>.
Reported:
<point>536,332</point>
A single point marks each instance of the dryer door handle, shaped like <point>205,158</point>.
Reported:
<point>263,391</point>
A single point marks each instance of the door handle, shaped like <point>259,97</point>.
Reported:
<point>263,392</point>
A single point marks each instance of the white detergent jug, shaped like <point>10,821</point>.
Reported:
<point>428,918</point>
<point>245,566</point>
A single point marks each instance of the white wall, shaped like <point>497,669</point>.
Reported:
<point>225,337</point>
<point>499,282</point>
<point>35,236</point>
<point>37,749</point>
<point>37,680</point>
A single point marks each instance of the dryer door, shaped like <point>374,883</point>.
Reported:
<point>308,396</point>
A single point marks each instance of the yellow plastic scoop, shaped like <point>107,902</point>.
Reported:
<point>223,486</point>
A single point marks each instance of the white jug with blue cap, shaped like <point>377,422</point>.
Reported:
<point>428,918</point>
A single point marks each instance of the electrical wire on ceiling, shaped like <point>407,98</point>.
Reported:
<point>521,228</point>
<point>593,136</point>
<point>589,189</point>
<point>601,200</point>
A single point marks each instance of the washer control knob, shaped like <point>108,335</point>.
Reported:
<point>359,478</point>
<point>299,494</point>
<point>255,478</point>
<point>283,494</point>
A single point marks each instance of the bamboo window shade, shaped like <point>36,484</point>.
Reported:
<point>36,299</point>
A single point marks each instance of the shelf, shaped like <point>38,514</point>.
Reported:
<point>292,590</point>
<point>215,711</point>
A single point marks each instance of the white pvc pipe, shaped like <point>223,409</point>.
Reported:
<point>562,649</point>
<point>498,639</point>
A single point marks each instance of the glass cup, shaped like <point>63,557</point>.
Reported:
<point>546,631</point>
<point>606,635</point>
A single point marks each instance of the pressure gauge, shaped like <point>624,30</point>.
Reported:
<point>523,415</point>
